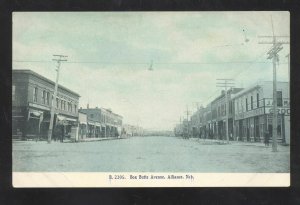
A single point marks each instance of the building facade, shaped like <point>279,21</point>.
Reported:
<point>32,95</point>
<point>219,115</point>
<point>131,130</point>
<point>254,108</point>
<point>102,122</point>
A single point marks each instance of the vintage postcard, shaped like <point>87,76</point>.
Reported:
<point>151,99</point>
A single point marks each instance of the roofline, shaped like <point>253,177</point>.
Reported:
<point>258,84</point>
<point>44,78</point>
<point>100,109</point>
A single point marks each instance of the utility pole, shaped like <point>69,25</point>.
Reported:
<point>273,54</point>
<point>187,120</point>
<point>59,60</point>
<point>225,83</point>
<point>289,77</point>
<point>198,121</point>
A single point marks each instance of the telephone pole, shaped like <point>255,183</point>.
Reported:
<point>289,77</point>
<point>226,83</point>
<point>187,120</point>
<point>273,54</point>
<point>59,59</point>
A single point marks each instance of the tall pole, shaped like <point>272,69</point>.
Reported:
<point>50,131</point>
<point>187,118</point>
<point>225,83</point>
<point>275,59</point>
<point>274,132</point>
<point>288,57</point>
<point>273,54</point>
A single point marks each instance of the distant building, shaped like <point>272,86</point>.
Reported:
<point>219,114</point>
<point>32,95</point>
<point>131,130</point>
<point>83,126</point>
<point>254,108</point>
<point>102,122</point>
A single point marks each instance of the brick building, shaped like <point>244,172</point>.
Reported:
<point>102,122</point>
<point>253,112</point>
<point>32,95</point>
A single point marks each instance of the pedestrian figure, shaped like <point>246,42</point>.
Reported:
<point>266,138</point>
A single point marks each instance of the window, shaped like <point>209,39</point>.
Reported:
<point>246,104</point>
<point>92,115</point>
<point>257,100</point>
<point>57,103</point>
<point>48,98</point>
<point>251,102</point>
<point>71,107</point>
<point>13,92</point>
<point>35,94</point>
<point>75,108</point>
<point>44,97</point>
<point>279,98</point>
<point>61,104</point>
<point>64,105</point>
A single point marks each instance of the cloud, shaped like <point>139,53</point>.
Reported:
<point>187,49</point>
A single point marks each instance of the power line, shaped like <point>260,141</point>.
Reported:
<point>141,63</point>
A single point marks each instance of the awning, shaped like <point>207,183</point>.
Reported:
<point>70,119</point>
<point>61,118</point>
<point>91,123</point>
<point>35,113</point>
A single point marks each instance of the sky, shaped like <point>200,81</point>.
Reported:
<point>109,54</point>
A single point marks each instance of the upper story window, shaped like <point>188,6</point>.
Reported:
<point>13,92</point>
<point>279,98</point>
<point>44,97</point>
<point>92,115</point>
<point>257,100</point>
<point>57,103</point>
<point>251,102</point>
<point>246,104</point>
<point>75,108</point>
<point>61,104</point>
<point>35,94</point>
<point>48,98</point>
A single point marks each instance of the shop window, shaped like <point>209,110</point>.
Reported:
<point>13,93</point>
<point>279,98</point>
<point>35,94</point>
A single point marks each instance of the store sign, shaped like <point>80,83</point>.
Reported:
<point>251,113</point>
<point>285,102</point>
<point>283,111</point>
